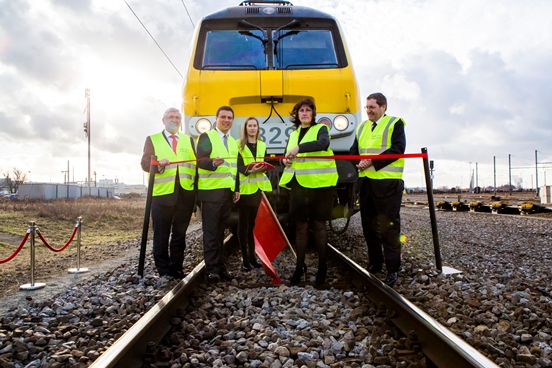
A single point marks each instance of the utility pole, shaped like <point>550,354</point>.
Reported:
<point>471,179</point>
<point>510,171</point>
<point>536,174</point>
<point>87,128</point>
<point>494,165</point>
<point>477,177</point>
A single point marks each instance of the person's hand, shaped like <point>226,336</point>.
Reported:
<point>257,168</point>
<point>217,161</point>
<point>364,164</point>
<point>164,162</point>
<point>236,197</point>
<point>286,162</point>
<point>292,153</point>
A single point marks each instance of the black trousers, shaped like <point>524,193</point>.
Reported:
<point>246,224</point>
<point>170,223</point>
<point>215,217</point>
<point>380,204</point>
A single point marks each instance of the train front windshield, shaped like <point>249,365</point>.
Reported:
<point>234,50</point>
<point>304,50</point>
<point>291,49</point>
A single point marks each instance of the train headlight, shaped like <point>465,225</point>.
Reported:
<point>203,125</point>
<point>327,122</point>
<point>341,123</point>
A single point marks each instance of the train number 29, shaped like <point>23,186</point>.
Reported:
<point>274,135</point>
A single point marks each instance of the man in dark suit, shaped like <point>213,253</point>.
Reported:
<point>173,197</point>
<point>218,189</point>
<point>381,185</point>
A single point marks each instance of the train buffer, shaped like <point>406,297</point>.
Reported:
<point>477,206</point>
<point>443,205</point>
<point>458,206</point>
<point>528,208</point>
<point>504,207</point>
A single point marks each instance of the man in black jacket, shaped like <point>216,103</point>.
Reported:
<point>381,185</point>
<point>174,194</point>
<point>218,189</point>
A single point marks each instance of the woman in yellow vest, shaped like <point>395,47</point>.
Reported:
<point>310,180</point>
<point>252,182</point>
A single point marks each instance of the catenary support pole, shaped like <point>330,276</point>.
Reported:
<point>431,205</point>
<point>536,174</point>
<point>153,170</point>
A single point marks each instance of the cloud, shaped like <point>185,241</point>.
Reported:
<point>470,82</point>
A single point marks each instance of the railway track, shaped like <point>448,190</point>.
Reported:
<point>441,347</point>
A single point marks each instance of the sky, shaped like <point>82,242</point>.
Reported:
<point>472,79</point>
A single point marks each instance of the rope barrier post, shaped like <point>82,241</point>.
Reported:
<point>32,285</point>
<point>78,269</point>
<point>431,205</point>
<point>153,170</point>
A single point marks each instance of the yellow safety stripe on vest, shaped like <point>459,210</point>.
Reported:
<point>387,168</point>
<point>329,170</point>
<point>249,180</point>
<point>186,176</point>
<point>216,175</point>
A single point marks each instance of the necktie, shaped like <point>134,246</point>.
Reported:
<point>174,142</point>
<point>225,141</point>
<point>374,125</point>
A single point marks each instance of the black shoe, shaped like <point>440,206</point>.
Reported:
<point>299,271</point>
<point>374,268</point>
<point>225,276</point>
<point>391,278</point>
<point>253,262</point>
<point>246,266</point>
<point>213,278</point>
<point>178,275</point>
<point>321,275</point>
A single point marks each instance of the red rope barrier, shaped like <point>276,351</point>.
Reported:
<point>18,248</point>
<point>62,248</point>
<point>335,157</point>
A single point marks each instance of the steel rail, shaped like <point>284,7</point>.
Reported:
<point>129,349</point>
<point>438,343</point>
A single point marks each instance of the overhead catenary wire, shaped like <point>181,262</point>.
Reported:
<point>188,14</point>
<point>160,48</point>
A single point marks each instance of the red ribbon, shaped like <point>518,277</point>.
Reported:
<point>335,157</point>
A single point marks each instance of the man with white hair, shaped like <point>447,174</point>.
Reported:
<point>174,192</point>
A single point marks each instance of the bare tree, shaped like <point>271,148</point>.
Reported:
<point>19,177</point>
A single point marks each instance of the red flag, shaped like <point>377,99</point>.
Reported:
<point>270,238</point>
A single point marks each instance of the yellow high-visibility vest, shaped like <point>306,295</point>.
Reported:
<point>309,171</point>
<point>225,175</point>
<point>164,182</point>
<point>251,183</point>
<point>375,142</point>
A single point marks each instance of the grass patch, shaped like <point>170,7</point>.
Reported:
<point>103,220</point>
<point>105,224</point>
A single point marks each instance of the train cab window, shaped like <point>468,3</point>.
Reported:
<point>310,49</point>
<point>234,50</point>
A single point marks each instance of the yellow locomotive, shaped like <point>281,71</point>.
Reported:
<point>261,58</point>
